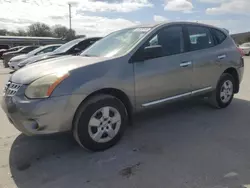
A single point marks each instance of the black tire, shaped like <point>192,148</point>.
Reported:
<point>82,118</point>
<point>215,99</point>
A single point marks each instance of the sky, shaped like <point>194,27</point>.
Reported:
<point>100,17</point>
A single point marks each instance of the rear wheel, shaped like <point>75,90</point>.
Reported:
<point>100,123</point>
<point>224,93</point>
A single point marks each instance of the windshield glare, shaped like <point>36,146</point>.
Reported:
<point>117,43</point>
<point>67,46</point>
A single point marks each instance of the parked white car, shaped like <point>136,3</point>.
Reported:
<point>245,48</point>
<point>13,63</point>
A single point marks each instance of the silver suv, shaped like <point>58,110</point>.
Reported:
<point>94,94</point>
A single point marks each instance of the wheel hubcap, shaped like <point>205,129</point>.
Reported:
<point>226,91</point>
<point>104,124</point>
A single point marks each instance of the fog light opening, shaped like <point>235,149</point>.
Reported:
<point>35,126</point>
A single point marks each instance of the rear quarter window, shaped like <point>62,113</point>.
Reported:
<point>218,35</point>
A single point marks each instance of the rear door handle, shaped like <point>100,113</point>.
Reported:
<point>222,56</point>
<point>186,64</point>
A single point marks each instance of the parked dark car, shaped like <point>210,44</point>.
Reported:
<point>73,47</point>
<point>24,50</point>
<point>4,46</point>
<point>2,51</point>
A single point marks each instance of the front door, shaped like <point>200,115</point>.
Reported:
<point>167,77</point>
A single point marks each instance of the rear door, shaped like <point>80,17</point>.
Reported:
<point>205,57</point>
<point>164,78</point>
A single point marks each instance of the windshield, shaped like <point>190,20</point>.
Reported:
<point>117,43</point>
<point>67,46</point>
<point>246,45</point>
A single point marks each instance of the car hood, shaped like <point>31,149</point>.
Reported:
<point>30,73</point>
<point>19,57</point>
<point>41,57</point>
<point>35,58</point>
<point>11,53</point>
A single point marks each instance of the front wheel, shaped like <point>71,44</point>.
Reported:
<point>100,123</point>
<point>224,93</point>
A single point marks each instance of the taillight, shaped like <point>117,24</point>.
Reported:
<point>241,52</point>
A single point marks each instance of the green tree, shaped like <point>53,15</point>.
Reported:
<point>70,35</point>
<point>3,32</point>
<point>39,30</point>
<point>247,39</point>
<point>63,32</point>
<point>60,31</point>
<point>21,32</point>
<point>43,30</point>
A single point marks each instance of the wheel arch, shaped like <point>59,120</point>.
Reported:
<point>113,92</point>
<point>235,75</point>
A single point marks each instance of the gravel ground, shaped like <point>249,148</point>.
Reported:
<point>187,145</point>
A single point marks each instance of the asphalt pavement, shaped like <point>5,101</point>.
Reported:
<point>182,145</point>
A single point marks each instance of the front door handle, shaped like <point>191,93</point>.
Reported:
<point>222,56</point>
<point>186,64</point>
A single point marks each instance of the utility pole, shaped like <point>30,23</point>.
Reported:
<point>70,17</point>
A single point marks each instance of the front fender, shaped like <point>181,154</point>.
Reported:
<point>117,74</point>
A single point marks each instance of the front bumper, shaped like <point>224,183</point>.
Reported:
<point>246,52</point>
<point>240,73</point>
<point>43,116</point>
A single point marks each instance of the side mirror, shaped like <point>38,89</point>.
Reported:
<point>154,51</point>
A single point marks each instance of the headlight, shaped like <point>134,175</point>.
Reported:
<point>22,63</point>
<point>43,87</point>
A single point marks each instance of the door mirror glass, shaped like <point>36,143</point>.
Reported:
<point>151,52</point>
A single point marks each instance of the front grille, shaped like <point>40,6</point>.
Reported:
<point>11,88</point>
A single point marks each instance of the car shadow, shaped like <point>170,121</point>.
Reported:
<point>185,144</point>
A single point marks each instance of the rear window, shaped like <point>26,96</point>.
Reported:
<point>219,36</point>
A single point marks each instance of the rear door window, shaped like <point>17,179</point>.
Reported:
<point>82,45</point>
<point>199,38</point>
<point>85,44</point>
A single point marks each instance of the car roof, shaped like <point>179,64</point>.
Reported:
<point>176,23</point>
<point>89,38</point>
<point>52,45</point>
